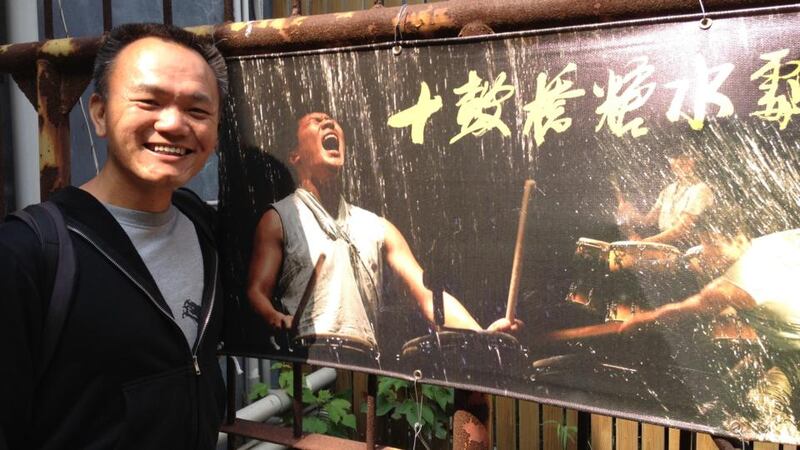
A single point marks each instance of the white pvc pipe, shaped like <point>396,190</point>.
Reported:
<point>237,11</point>
<point>22,24</point>
<point>278,401</point>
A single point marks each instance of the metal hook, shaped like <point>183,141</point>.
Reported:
<point>398,31</point>
<point>705,22</point>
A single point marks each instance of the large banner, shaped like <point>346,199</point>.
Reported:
<point>602,218</point>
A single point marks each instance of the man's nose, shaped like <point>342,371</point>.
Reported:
<point>171,120</point>
<point>328,123</point>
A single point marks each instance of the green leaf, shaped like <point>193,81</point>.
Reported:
<point>314,425</point>
<point>324,396</point>
<point>285,382</point>
<point>404,407</point>
<point>309,397</point>
<point>427,415</point>
<point>429,391</point>
<point>336,409</point>
<point>349,420</point>
<point>443,397</point>
<point>388,385</point>
<point>260,390</point>
<point>409,409</point>
<point>439,430</point>
<point>382,407</point>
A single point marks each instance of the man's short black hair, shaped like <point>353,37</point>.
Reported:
<point>121,36</point>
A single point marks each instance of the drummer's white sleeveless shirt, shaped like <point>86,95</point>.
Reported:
<point>336,306</point>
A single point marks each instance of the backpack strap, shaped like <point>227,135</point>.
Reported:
<point>196,210</point>
<point>47,221</point>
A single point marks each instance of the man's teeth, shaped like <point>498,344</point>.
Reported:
<point>169,150</point>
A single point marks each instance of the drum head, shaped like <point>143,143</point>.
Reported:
<point>500,355</point>
<point>339,349</point>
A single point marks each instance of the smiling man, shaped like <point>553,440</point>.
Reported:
<point>315,220</point>
<point>135,366</point>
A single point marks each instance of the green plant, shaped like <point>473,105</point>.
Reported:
<point>396,398</point>
<point>564,432</point>
<point>330,413</point>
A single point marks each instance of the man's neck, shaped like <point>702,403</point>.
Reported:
<point>328,194</point>
<point>114,189</point>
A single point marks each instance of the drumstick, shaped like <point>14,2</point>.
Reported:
<point>585,332</point>
<point>307,293</point>
<point>519,247</point>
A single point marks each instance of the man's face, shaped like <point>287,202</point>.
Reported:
<point>160,115</point>
<point>320,147</point>
<point>682,165</point>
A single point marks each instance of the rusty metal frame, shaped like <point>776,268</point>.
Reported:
<point>54,73</point>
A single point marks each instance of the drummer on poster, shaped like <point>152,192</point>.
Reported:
<point>677,207</point>
<point>356,246</point>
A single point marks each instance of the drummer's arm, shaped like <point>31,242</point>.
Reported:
<point>401,260</point>
<point>714,298</point>
<point>265,266</point>
<point>676,232</point>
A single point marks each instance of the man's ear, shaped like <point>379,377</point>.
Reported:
<point>294,156</point>
<point>97,111</point>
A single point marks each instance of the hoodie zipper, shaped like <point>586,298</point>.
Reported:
<point>193,349</point>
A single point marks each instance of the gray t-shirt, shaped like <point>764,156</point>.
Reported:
<point>167,243</point>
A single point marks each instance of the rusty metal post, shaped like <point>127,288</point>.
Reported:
<point>685,440</point>
<point>167,7</point>
<point>372,393</point>
<point>471,421</point>
<point>584,428</point>
<point>2,171</point>
<point>297,8</point>
<point>297,398</point>
<point>107,17</point>
<point>227,12</point>
<point>230,366</point>
<point>49,33</point>
<point>54,157</point>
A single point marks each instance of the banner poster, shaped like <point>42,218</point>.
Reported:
<point>630,191</point>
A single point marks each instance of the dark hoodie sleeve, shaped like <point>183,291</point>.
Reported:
<point>20,330</point>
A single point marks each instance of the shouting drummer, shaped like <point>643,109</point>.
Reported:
<point>677,206</point>
<point>356,244</point>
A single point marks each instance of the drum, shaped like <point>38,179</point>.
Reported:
<point>590,266</point>
<point>446,353</point>
<point>592,250</point>
<point>339,349</point>
<point>638,256</point>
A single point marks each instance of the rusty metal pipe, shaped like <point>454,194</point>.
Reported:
<point>54,157</point>
<point>108,22</point>
<point>167,11</point>
<point>433,20</point>
<point>48,19</point>
<point>227,11</point>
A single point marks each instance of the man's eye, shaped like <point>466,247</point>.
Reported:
<point>199,112</point>
<point>146,101</point>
